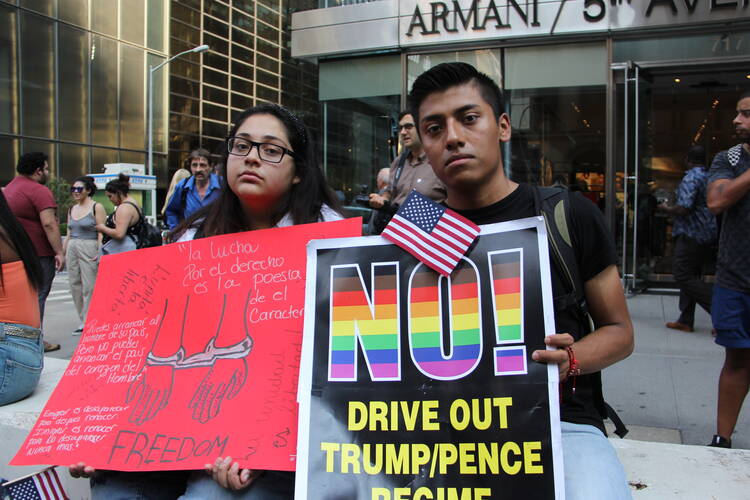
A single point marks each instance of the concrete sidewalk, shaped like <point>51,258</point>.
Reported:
<point>669,384</point>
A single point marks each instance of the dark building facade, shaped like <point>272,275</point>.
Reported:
<point>73,82</point>
<point>249,62</point>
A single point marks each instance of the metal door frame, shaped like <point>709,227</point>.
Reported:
<point>631,76</point>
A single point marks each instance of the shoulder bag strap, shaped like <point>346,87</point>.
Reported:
<point>399,170</point>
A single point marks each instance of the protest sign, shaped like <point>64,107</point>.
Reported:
<point>417,386</point>
<point>190,352</point>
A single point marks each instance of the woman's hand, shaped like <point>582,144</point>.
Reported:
<point>230,476</point>
<point>81,470</point>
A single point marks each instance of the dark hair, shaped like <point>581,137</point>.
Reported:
<point>404,113</point>
<point>88,183</point>
<point>198,153</point>
<point>447,75</point>
<point>29,163</point>
<point>16,236</point>
<point>305,198</point>
<point>744,95</point>
<point>120,186</point>
<point>697,155</point>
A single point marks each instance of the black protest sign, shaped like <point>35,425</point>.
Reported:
<point>417,386</point>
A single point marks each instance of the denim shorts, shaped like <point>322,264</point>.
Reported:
<point>730,313</point>
<point>21,361</point>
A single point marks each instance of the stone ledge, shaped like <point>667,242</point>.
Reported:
<point>17,419</point>
<point>662,470</point>
<point>655,470</point>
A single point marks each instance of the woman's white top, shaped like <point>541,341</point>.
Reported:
<point>327,214</point>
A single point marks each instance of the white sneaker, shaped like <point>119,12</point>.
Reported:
<point>78,331</point>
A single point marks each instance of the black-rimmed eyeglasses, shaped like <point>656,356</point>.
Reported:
<point>272,153</point>
<point>76,189</point>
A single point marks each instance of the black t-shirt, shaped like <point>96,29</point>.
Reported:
<point>595,251</point>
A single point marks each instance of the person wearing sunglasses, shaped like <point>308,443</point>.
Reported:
<point>81,245</point>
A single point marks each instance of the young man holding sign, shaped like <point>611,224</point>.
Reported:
<point>460,118</point>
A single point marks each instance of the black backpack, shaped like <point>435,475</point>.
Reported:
<point>145,234</point>
<point>553,204</point>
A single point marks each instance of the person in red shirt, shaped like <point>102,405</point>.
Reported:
<point>34,206</point>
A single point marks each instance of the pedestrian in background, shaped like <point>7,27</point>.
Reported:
<point>181,174</point>
<point>411,170</point>
<point>82,244</point>
<point>21,276</point>
<point>694,234</point>
<point>35,208</point>
<point>195,192</point>
<point>118,230</point>
<point>729,194</point>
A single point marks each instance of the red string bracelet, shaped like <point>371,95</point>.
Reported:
<point>574,369</point>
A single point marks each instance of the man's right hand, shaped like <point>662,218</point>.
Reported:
<point>59,262</point>
<point>377,201</point>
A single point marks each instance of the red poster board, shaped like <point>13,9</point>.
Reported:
<point>190,351</point>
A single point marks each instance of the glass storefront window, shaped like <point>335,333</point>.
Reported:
<point>46,7</point>
<point>8,73</point>
<point>103,93</point>
<point>132,21</point>
<point>487,61</point>
<point>361,101</point>
<point>74,162</point>
<point>160,102</point>
<point>104,16</point>
<point>73,47</point>
<point>156,28</point>
<point>46,147</point>
<point>132,97</point>
<point>102,156</point>
<point>556,100</point>
<point>37,76</point>
<point>75,11</point>
<point>9,155</point>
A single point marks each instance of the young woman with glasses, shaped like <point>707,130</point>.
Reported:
<point>81,245</point>
<point>272,180</point>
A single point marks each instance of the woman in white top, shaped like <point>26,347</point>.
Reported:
<point>272,180</point>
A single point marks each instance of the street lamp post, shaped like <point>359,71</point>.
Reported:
<point>151,71</point>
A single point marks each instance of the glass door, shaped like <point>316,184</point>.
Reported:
<point>659,114</point>
<point>632,203</point>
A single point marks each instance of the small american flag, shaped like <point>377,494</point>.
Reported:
<point>436,235</point>
<point>44,485</point>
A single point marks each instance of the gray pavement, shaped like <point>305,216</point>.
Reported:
<point>670,380</point>
<point>665,391</point>
<point>60,318</point>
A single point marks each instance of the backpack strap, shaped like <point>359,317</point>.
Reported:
<point>399,170</point>
<point>553,204</point>
<point>140,216</point>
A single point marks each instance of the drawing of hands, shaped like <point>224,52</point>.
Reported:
<point>149,392</point>
<point>224,380</point>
